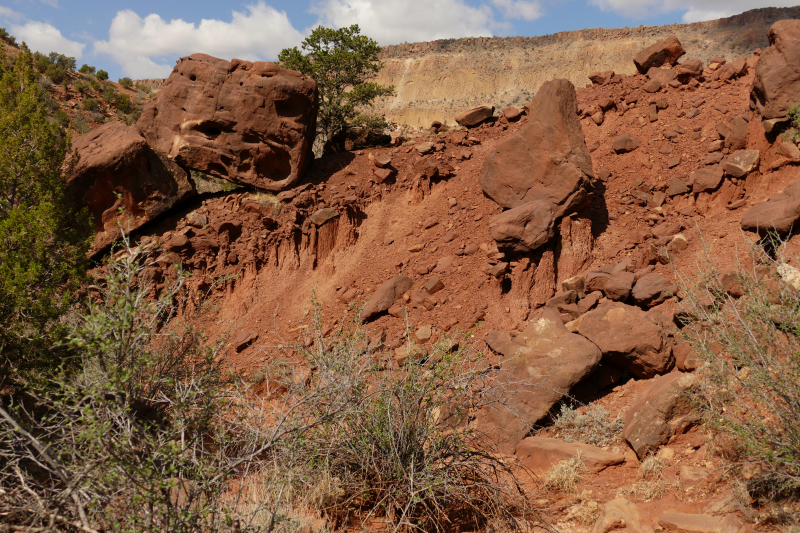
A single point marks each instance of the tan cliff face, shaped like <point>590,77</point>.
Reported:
<point>436,80</point>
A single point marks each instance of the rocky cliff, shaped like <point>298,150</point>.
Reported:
<point>436,80</point>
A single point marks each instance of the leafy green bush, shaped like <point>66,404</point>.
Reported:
<point>91,104</point>
<point>82,87</point>
<point>43,238</point>
<point>86,69</point>
<point>126,82</point>
<point>751,380</point>
<point>793,133</point>
<point>102,75</point>
<point>8,37</point>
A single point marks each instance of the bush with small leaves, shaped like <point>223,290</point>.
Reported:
<point>87,69</point>
<point>126,82</point>
<point>102,75</point>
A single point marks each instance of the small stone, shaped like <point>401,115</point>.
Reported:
<point>625,143</point>
<point>677,187</point>
<point>430,222</point>
<point>674,162</point>
<point>692,113</point>
<point>416,247</point>
<point>424,333</point>
<point>382,161</point>
<point>434,285</point>
<point>425,148</point>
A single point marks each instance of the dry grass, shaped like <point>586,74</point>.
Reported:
<point>595,426</point>
<point>266,198</point>
<point>652,468</point>
<point>565,475</point>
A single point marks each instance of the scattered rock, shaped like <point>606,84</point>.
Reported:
<point>620,514</point>
<point>618,287</point>
<point>524,228</point>
<point>425,148</point>
<point>248,123</point>
<point>382,161</point>
<point>625,143</point>
<point>781,212</point>
<point>434,285</point>
<point>383,298</point>
<point>424,333</point>
<point>652,289</point>
<point>652,86</point>
<point>541,453</point>
<point>659,412</point>
<point>777,80</point>
<point>689,69</point>
<point>601,78</point>
<point>472,117</point>
<point>665,52</point>
<point>512,113</point>
<point>627,338</point>
<point>244,340</point>
<point>741,163</point>
<point>706,179</point>
<point>321,216</point>
<point>677,187</point>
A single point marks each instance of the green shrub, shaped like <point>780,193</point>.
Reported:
<point>91,104</point>
<point>8,37</point>
<point>751,346</point>
<point>55,73</point>
<point>793,133</point>
<point>61,117</point>
<point>126,82</point>
<point>102,75</point>
<point>82,87</point>
<point>86,69</point>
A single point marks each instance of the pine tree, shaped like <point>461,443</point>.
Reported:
<point>43,238</point>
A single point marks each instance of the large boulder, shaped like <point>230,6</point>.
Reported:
<point>524,228</point>
<point>627,338</point>
<point>665,52</point>
<point>776,85</point>
<point>547,160</point>
<point>780,213</point>
<point>116,169</point>
<point>383,298</point>
<point>541,453</point>
<point>248,123</point>
<point>472,117</point>
<point>659,412</point>
<point>541,365</point>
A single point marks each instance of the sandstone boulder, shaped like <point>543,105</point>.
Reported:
<point>690,69</point>
<point>741,163</point>
<point>524,228</point>
<point>601,78</point>
<point>547,160</point>
<point>777,80</point>
<point>248,123</point>
<point>472,117</point>
<point>781,212</point>
<point>659,412</point>
<point>541,453</point>
<point>661,75</point>
<point>733,70</point>
<point>383,298</point>
<point>652,289</point>
<point>627,338</point>
<point>706,179</point>
<point>115,160</point>
<point>619,285</point>
<point>621,514</point>
<point>541,365</point>
<point>665,52</point>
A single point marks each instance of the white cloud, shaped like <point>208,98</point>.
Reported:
<point>51,3</point>
<point>694,10</point>
<point>146,47</point>
<point>397,21</point>
<point>45,38</point>
<point>9,14</point>
<point>519,9</point>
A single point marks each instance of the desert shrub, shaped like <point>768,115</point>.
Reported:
<point>751,380</point>
<point>565,475</point>
<point>122,102</point>
<point>55,73</point>
<point>144,89</point>
<point>80,125</point>
<point>99,118</point>
<point>87,69</point>
<point>8,37</point>
<point>102,75</point>
<point>595,426</point>
<point>91,104</point>
<point>126,82</point>
<point>82,87</point>
<point>402,448</point>
<point>61,118</point>
<point>651,468</point>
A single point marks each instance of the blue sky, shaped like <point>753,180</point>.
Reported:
<point>143,39</point>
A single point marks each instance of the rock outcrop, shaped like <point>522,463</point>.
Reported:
<point>248,123</point>
<point>780,213</point>
<point>117,170</point>
<point>664,52</point>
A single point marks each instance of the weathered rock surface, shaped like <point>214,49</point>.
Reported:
<point>248,123</point>
<point>114,159</point>
<point>781,212</point>
<point>741,163</point>
<point>541,453</point>
<point>621,513</point>
<point>524,228</point>
<point>385,296</point>
<point>706,179</point>
<point>627,338</point>
<point>547,160</point>
<point>541,365</point>
<point>472,117</point>
<point>777,81</point>
<point>659,412</point>
<point>664,52</point>
<point>652,289</point>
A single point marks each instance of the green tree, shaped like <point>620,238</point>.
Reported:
<point>43,240</point>
<point>102,75</point>
<point>341,62</point>
<point>126,82</point>
<point>87,69</point>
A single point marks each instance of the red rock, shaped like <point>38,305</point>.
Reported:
<point>665,52</point>
<point>625,143</point>
<point>706,179</point>
<point>777,80</point>
<point>620,513</point>
<point>589,301</point>
<point>382,174</point>
<point>383,298</point>
<point>733,70</point>
<point>114,159</point>
<point>524,228</point>
<point>686,360</point>
<point>618,287</point>
<point>652,86</point>
<point>177,243</point>
<point>542,365</point>
<point>512,113</point>
<point>322,216</point>
<point>628,338</point>
<point>547,160</point>
<point>789,150</point>
<point>596,281</point>
<point>692,68</point>
<point>659,412</point>
<point>248,123</point>
<point>541,453</point>
<point>781,212</point>
<point>473,117</point>
<point>601,78</point>
<point>244,340</point>
<point>662,75</point>
<point>382,161</point>
<point>737,138</point>
<point>434,285</point>
<point>652,289</point>
<point>677,187</point>
<point>741,163</point>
